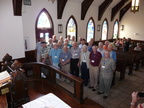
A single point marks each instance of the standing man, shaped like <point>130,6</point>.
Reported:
<point>55,55</point>
<point>107,67</point>
<point>65,57</point>
<point>44,53</point>
<point>83,41</point>
<point>38,49</point>
<point>74,66</point>
<point>84,64</point>
<point>112,53</point>
<point>95,58</point>
<point>100,48</point>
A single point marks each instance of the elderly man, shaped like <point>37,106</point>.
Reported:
<point>65,57</point>
<point>100,48</point>
<point>84,64</point>
<point>60,44</point>
<point>38,49</point>
<point>54,55</point>
<point>54,39</point>
<point>95,58</point>
<point>83,41</point>
<point>44,53</point>
<point>107,67</point>
<point>50,44</point>
<point>106,45</point>
<point>75,52</point>
<point>112,53</point>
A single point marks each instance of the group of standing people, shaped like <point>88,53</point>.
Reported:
<point>96,63</point>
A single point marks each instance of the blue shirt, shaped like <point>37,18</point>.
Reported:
<point>113,55</point>
<point>65,56</point>
<point>55,54</point>
<point>90,48</point>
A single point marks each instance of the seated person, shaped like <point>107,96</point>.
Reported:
<point>138,47</point>
<point>135,98</point>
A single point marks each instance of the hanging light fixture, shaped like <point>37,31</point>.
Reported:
<point>135,6</point>
<point>52,1</point>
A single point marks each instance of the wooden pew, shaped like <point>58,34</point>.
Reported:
<point>51,77</point>
<point>129,56</point>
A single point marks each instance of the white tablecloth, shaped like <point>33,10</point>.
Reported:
<point>46,101</point>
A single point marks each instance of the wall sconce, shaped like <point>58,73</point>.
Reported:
<point>135,6</point>
<point>98,27</point>
<point>122,27</point>
<point>59,28</point>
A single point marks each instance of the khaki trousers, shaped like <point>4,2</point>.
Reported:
<point>94,73</point>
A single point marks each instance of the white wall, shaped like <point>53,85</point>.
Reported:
<point>73,7</point>
<point>134,24</point>
<point>11,31</point>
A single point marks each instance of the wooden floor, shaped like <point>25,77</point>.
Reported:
<point>40,88</point>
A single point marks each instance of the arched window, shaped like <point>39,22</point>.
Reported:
<point>104,30</point>
<point>71,27</point>
<point>115,30</point>
<point>44,25</point>
<point>90,29</point>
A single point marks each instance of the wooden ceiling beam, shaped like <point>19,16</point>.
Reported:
<point>84,8</point>
<point>17,7</point>
<point>117,8</point>
<point>103,7</point>
<point>124,10</point>
<point>60,7</point>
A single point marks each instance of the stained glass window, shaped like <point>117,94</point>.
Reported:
<point>104,30</point>
<point>43,21</point>
<point>115,31</point>
<point>90,30</point>
<point>71,27</point>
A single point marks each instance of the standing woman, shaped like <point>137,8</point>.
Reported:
<point>107,67</point>
<point>84,64</point>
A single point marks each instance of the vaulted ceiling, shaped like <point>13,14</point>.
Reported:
<point>116,6</point>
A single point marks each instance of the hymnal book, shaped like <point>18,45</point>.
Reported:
<point>4,77</point>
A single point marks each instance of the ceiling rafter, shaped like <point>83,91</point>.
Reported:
<point>84,8</point>
<point>117,8</point>
<point>60,7</point>
<point>17,7</point>
<point>103,7</point>
<point>124,10</point>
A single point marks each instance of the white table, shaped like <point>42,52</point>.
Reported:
<point>47,101</point>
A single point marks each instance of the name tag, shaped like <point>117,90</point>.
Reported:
<point>55,56</point>
<point>62,59</point>
<point>92,61</point>
<point>84,60</point>
<point>103,67</point>
<point>76,54</point>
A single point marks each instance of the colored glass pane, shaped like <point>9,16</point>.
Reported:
<point>90,30</point>
<point>115,31</point>
<point>71,27</point>
<point>43,21</point>
<point>104,30</point>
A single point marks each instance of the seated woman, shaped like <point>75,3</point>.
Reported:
<point>138,47</point>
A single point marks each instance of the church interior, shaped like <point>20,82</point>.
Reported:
<point>99,20</point>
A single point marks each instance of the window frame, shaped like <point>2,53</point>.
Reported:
<point>75,24</point>
<point>87,28</point>
<point>44,30</point>
<point>118,29</point>
<point>107,28</point>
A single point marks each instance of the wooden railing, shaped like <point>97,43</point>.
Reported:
<point>36,68</point>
